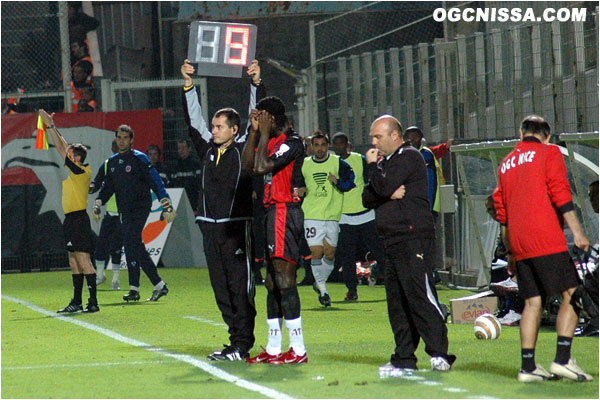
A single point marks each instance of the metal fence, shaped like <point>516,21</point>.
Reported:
<point>472,88</point>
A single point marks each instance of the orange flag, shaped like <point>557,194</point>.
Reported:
<point>42,139</point>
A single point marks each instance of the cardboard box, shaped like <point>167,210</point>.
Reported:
<point>465,310</point>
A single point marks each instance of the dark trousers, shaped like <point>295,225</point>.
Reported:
<point>354,242</point>
<point>413,308</point>
<point>132,225</point>
<point>228,248</point>
<point>110,239</point>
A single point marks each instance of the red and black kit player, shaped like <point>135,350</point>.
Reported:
<point>279,158</point>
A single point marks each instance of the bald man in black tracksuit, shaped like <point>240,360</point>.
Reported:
<point>406,228</point>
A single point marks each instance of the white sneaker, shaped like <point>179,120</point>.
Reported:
<point>511,318</point>
<point>570,370</point>
<point>115,285</point>
<point>389,371</point>
<point>100,280</point>
<point>539,374</point>
<point>440,364</point>
<point>505,287</point>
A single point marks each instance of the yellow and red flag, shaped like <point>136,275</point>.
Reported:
<point>42,139</point>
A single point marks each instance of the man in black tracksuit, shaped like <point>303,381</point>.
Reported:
<point>225,212</point>
<point>406,227</point>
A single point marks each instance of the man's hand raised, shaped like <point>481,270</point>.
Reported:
<point>254,72</point>
<point>187,70</point>
<point>48,121</point>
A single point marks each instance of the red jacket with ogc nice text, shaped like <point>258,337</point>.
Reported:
<point>532,194</point>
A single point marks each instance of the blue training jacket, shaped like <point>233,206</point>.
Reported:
<point>131,176</point>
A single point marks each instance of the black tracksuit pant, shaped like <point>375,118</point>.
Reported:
<point>413,307</point>
<point>354,242</point>
<point>228,250</point>
<point>132,224</point>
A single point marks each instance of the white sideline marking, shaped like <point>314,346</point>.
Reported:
<point>217,372</point>
<point>207,321</point>
<point>103,364</point>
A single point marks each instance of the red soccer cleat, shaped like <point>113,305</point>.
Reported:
<point>263,357</point>
<point>290,357</point>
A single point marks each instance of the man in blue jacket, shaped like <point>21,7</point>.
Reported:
<point>130,176</point>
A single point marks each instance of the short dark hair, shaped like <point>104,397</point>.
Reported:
<point>319,135</point>
<point>232,116</point>
<point>86,66</point>
<point>412,131</point>
<point>126,129</point>
<point>536,125</point>
<point>153,147</point>
<point>340,135</point>
<point>274,106</point>
<point>595,183</point>
<point>79,150</point>
<point>186,141</point>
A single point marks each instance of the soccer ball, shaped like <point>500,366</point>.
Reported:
<point>487,327</point>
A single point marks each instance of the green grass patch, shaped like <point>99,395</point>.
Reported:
<point>43,357</point>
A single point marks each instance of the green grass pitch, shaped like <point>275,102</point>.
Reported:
<point>158,350</point>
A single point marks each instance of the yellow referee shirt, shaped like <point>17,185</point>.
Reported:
<point>75,187</point>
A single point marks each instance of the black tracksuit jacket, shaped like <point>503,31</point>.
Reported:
<point>409,217</point>
<point>225,189</point>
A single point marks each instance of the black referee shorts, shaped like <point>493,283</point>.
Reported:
<point>546,275</point>
<point>78,232</point>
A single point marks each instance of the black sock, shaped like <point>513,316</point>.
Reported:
<point>290,303</point>
<point>91,284</point>
<point>528,360</point>
<point>274,309</point>
<point>563,349</point>
<point>77,288</point>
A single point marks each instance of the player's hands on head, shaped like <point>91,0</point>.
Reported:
<point>187,71</point>
<point>265,123</point>
<point>254,72</point>
<point>168,212</point>
<point>254,120</point>
<point>96,210</point>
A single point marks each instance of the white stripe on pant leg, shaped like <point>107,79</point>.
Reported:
<point>217,372</point>
<point>431,297</point>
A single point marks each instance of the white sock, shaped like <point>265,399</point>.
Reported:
<point>100,268</point>
<point>116,269</point>
<point>327,268</point>
<point>315,265</point>
<point>274,339</point>
<point>136,288</point>
<point>159,285</point>
<point>294,327</point>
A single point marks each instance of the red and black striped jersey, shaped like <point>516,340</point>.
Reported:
<point>287,152</point>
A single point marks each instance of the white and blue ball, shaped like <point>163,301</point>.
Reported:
<point>487,327</point>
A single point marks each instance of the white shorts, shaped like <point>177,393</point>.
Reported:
<point>315,231</point>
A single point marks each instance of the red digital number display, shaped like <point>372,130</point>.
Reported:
<point>232,43</point>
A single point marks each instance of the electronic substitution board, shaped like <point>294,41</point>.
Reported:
<point>221,48</point>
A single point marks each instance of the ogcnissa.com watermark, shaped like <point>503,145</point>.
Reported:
<point>509,14</point>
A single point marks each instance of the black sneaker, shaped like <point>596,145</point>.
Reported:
<point>157,294</point>
<point>133,295</point>
<point>92,307</point>
<point>71,308</point>
<point>229,353</point>
<point>325,300</point>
